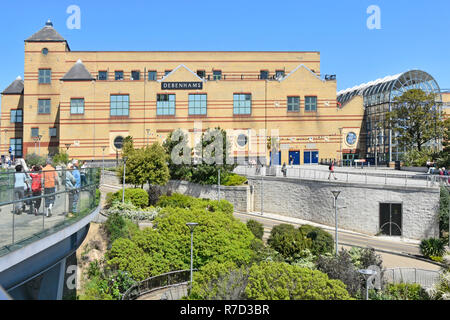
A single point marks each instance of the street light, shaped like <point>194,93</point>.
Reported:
<point>368,273</point>
<point>123,187</point>
<point>39,137</point>
<point>336,195</point>
<point>68,146</point>
<point>148,135</point>
<point>192,226</point>
<point>103,157</point>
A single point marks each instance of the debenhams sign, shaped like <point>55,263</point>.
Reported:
<point>182,85</point>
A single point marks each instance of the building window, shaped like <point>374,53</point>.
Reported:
<point>310,103</point>
<point>135,75</point>
<point>264,74</point>
<point>44,106</point>
<point>120,105</point>
<point>17,116</point>
<point>152,75</point>
<point>76,106</point>
<point>45,51</point>
<point>217,75</point>
<point>165,104</point>
<point>293,104</point>
<point>197,104</point>
<point>53,132</point>
<point>34,132</point>
<point>118,75</point>
<point>16,147</point>
<point>45,76</point>
<point>103,75</point>
<point>201,73</point>
<point>279,74</point>
<point>242,103</point>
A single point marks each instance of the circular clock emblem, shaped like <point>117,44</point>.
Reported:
<point>351,138</point>
<point>242,140</point>
<point>118,142</point>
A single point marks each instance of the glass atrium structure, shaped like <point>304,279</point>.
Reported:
<point>376,138</point>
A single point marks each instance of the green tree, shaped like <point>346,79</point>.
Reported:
<point>219,237</point>
<point>281,281</point>
<point>179,148</point>
<point>288,241</point>
<point>443,211</point>
<point>146,165</point>
<point>61,158</point>
<point>34,159</point>
<point>208,173</point>
<point>415,119</point>
<point>220,281</point>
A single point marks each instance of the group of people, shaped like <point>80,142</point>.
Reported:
<point>45,180</point>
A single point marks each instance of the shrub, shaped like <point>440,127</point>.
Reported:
<point>34,159</point>
<point>341,267</point>
<point>322,241</point>
<point>288,241</point>
<point>443,211</point>
<point>176,200</point>
<point>406,291</point>
<point>441,289</point>
<point>256,228</point>
<point>281,281</point>
<point>264,281</point>
<point>166,247</point>
<point>219,281</point>
<point>118,227</point>
<point>432,247</point>
<point>416,158</point>
<point>129,211</point>
<point>234,180</point>
<point>61,158</point>
<point>138,197</point>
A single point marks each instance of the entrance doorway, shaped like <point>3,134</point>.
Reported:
<point>294,158</point>
<point>391,219</point>
<point>311,157</point>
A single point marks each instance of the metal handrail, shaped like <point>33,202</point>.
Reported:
<point>429,180</point>
<point>148,285</point>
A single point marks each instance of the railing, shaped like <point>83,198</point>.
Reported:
<point>426,278</point>
<point>156,283</point>
<point>23,214</point>
<point>401,180</point>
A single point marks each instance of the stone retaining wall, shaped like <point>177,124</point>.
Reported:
<point>313,201</point>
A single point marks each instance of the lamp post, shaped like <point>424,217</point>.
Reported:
<point>368,273</point>
<point>123,186</point>
<point>336,195</point>
<point>192,226</point>
<point>39,137</point>
<point>103,158</point>
<point>340,147</point>
<point>148,135</point>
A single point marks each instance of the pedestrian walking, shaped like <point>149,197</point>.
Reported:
<point>284,170</point>
<point>83,174</point>
<point>36,188</point>
<point>70,183</point>
<point>20,187</point>
<point>331,169</point>
<point>50,182</point>
<point>77,187</point>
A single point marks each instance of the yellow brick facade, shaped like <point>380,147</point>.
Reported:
<point>90,136</point>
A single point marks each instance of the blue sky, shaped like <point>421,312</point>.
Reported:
<point>414,34</point>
